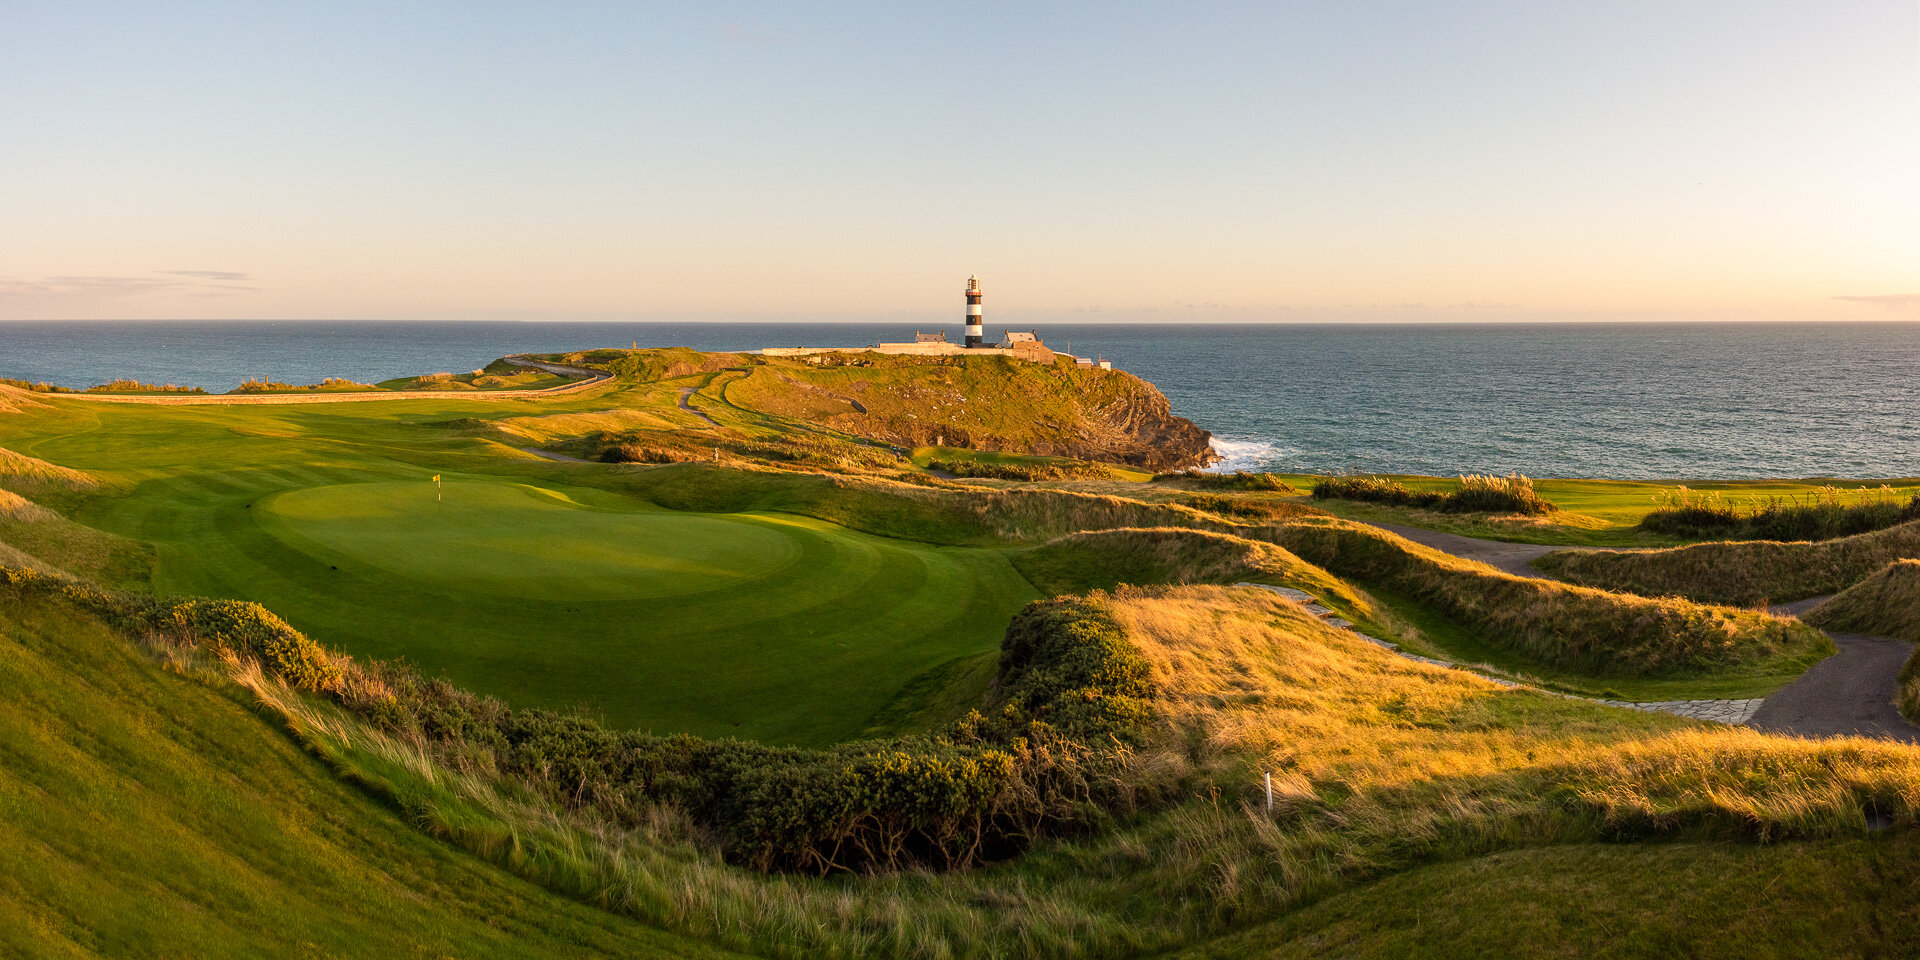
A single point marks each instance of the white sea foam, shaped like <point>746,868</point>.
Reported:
<point>1248,454</point>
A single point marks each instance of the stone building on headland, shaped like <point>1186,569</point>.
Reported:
<point>1020,346</point>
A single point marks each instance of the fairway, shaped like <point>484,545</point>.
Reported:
<point>539,583</point>
<point>521,540</point>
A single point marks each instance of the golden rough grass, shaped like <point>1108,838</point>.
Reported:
<point>1739,572</point>
<point>20,470</point>
<point>566,426</point>
<point>1380,764</point>
<point>1886,604</point>
<point>18,508</point>
<point>13,399</point>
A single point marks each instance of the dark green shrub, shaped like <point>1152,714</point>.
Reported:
<point>1477,494</point>
<point>1021,471</point>
<point>1237,480</point>
<point>1820,516</point>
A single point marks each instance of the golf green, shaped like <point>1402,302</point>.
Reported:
<point>771,626</point>
<point>520,540</point>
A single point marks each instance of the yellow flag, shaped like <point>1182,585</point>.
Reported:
<point>436,478</point>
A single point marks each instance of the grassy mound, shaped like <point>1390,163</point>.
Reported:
<point>1739,572</point>
<point>33,536</point>
<point>1106,559</point>
<point>1592,630</point>
<point>144,814</point>
<point>20,472</point>
<point>1886,604</point>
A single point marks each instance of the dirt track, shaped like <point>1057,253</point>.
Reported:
<point>594,378</point>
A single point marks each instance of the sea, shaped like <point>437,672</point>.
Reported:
<point>1673,401</point>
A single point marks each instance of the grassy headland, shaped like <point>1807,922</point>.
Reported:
<point>811,589</point>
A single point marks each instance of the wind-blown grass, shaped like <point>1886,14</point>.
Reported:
<point>1822,515</point>
<point>1475,494</point>
<point>1886,604</point>
<point>144,814</point>
<point>1380,764</point>
<point>1739,572</point>
<point>1569,626</point>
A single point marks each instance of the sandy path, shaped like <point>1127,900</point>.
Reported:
<point>686,392</point>
<point>594,379</point>
<point>1850,693</point>
<point>1514,558</point>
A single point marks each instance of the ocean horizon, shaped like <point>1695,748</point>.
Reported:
<point>1622,400</point>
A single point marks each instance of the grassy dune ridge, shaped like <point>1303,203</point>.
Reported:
<point>1739,572</point>
<point>1381,764</point>
<point>1886,604</point>
<point>143,813</point>
<point>1605,633</point>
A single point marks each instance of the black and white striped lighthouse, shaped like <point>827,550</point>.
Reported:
<point>976,334</point>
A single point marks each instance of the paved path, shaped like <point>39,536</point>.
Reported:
<point>1514,558</point>
<point>1850,693</point>
<point>593,379</point>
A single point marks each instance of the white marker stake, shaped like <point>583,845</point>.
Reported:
<point>1269,793</point>
<point>436,488</point>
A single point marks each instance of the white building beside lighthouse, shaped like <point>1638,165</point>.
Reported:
<point>1018,346</point>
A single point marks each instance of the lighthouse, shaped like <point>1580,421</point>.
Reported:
<point>976,335</point>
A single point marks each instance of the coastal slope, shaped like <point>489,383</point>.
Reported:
<point>982,403</point>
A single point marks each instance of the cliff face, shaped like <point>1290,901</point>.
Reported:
<point>986,403</point>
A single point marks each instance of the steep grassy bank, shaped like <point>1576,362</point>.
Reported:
<point>1739,572</point>
<point>143,814</point>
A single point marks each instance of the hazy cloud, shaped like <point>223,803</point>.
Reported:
<point>1891,301</point>
<point>750,33</point>
<point>194,282</point>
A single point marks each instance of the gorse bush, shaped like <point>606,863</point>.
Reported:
<point>1477,494</point>
<point>329,385</point>
<point>221,626</point>
<point>41,387</point>
<point>1825,515</point>
<point>135,386</point>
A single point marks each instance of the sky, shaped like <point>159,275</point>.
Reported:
<point>1282,161</point>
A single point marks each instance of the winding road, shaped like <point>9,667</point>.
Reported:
<point>1848,694</point>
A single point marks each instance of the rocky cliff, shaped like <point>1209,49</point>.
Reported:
<point>985,403</point>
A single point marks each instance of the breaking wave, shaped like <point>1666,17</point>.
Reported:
<point>1248,455</point>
